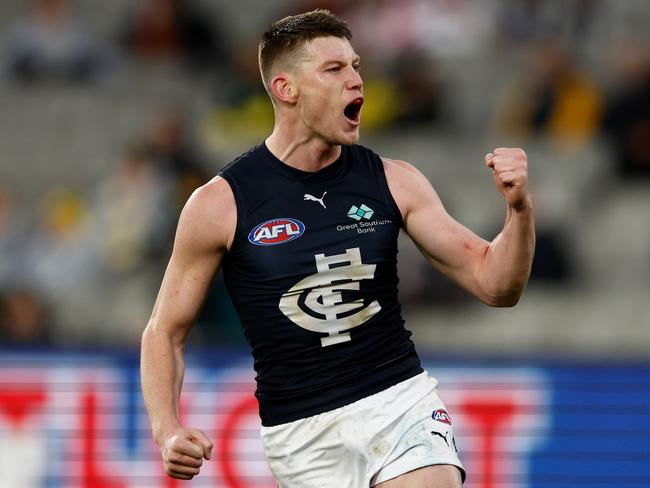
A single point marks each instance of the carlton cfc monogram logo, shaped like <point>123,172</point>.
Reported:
<point>316,302</point>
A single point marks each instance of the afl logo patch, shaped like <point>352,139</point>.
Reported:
<point>276,231</point>
<point>441,416</point>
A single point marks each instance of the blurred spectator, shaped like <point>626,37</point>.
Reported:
<point>242,109</point>
<point>60,253</point>
<point>451,29</point>
<point>245,82</point>
<point>419,84</point>
<point>551,98</point>
<point>529,20</point>
<point>337,7</point>
<point>175,153</point>
<point>551,263</point>
<point>435,289</point>
<point>386,29</point>
<point>378,27</point>
<point>50,44</point>
<point>13,232</point>
<point>24,320</point>
<point>627,119</point>
<point>401,73</point>
<point>131,218</point>
<point>175,30</point>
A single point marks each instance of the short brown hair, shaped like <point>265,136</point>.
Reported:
<point>289,34</point>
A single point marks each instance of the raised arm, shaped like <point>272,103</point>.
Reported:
<point>205,231</point>
<point>496,272</point>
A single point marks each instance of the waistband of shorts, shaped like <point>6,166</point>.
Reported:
<point>281,411</point>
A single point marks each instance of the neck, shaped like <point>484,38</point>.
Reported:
<point>307,152</point>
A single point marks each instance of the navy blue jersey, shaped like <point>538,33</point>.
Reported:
<point>312,272</point>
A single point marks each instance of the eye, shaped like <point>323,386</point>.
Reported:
<point>334,69</point>
<point>357,67</point>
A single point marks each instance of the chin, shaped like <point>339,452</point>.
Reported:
<point>349,141</point>
<point>349,138</point>
<point>342,137</point>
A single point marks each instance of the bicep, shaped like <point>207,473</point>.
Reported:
<point>204,230</point>
<point>449,246</point>
<point>183,289</point>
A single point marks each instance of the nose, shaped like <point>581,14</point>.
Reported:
<point>354,82</point>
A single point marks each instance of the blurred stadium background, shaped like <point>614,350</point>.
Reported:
<point>111,113</point>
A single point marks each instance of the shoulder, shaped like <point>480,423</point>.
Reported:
<point>214,194</point>
<point>403,176</point>
<point>408,186</point>
<point>399,169</point>
<point>210,214</point>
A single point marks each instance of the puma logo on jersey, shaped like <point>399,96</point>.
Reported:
<point>276,231</point>
<point>314,199</point>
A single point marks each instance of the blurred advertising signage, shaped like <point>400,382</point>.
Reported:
<point>78,421</point>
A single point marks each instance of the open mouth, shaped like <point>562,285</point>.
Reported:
<point>353,110</point>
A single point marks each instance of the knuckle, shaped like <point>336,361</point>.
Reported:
<point>181,476</point>
<point>173,457</point>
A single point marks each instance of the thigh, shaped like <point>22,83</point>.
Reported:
<point>324,451</point>
<point>440,476</point>
<point>421,439</point>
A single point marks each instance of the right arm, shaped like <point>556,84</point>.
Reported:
<point>205,232</point>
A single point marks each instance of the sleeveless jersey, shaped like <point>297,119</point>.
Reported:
<point>312,273</point>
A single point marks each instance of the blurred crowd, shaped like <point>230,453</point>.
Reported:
<point>82,264</point>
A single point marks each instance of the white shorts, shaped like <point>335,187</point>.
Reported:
<point>380,437</point>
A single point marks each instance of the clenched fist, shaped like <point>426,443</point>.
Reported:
<point>183,452</point>
<point>510,171</point>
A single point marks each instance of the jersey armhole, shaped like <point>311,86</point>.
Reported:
<point>382,181</point>
<point>239,204</point>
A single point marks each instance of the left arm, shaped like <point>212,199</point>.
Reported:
<point>496,272</point>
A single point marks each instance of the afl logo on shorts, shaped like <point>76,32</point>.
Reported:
<point>276,231</point>
<point>441,416</point>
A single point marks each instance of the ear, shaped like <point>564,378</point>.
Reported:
<point>284,89</point>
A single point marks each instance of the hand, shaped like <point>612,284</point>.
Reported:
<point>183,451</point>
<point>510,172</point>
